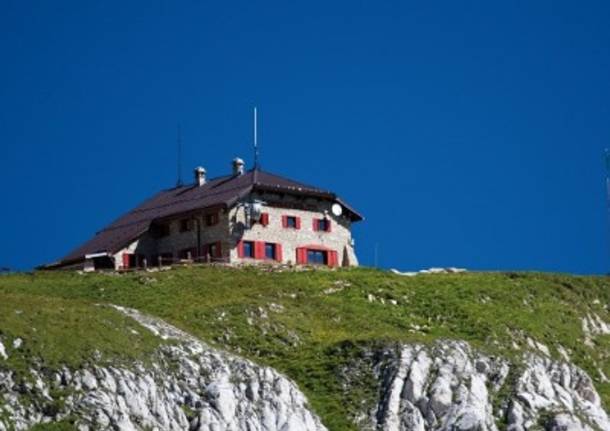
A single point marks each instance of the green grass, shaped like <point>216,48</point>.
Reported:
<point>59,331</point>
<point>308,334</point>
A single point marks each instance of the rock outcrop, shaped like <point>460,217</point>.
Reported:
<point>187,386</point>
<point>452,387</point>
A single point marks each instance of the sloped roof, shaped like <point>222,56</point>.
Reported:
<point>223,191</point>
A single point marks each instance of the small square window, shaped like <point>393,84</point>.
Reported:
<point>270,251</point>
<point>323,224</point>
<point>248,249</point>
<point>291,222</point>
<point>185,225</point>
<point>316,257</point>
<point>211,219</point>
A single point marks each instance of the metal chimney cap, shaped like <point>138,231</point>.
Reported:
<point>238,166</point>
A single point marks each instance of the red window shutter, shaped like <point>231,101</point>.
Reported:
<point>218,249</point>
<point>329,224</point>
<point>259,250</point>
<point>125,260</point>
<point>301,255</point>
<point>332,258</point>
<point>240,249</point>
<point>315,224</point>
<point>284,221</point>
<point>265,219</point>
<point>278,252</point>
<point>298,226</point>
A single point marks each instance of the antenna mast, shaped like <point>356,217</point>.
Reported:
<point>179,159</point>
<point>255,140</point>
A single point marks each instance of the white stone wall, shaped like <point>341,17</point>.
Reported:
<point>176,241</point>
<point>338,239</point>
<point>231,228</point>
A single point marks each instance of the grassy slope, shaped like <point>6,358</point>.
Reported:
<point>300,335</point>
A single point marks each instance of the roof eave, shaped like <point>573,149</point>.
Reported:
<point>354,215</point>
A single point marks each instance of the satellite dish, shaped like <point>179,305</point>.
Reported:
<point>337,209</point>
<point>256,209</point>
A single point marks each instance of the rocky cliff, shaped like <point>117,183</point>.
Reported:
<point>449,386</point>
<point>186,385</point>
<point>286,350</point>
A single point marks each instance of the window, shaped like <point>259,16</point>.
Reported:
<point>316,257</point>
<point>270,251</point>
<point>164,230</point>
<point>291,222</point>
<point>248,249</point>
<point>129,260</point>
<point>186,225</point>
<point>321,224</point>
<point>214,249</point>
<point>211,219</point>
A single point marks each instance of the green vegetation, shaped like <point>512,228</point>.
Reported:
<point>309,325</point>
<point>58,331</point>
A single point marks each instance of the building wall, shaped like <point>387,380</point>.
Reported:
<point>233,227</point>
<point>338,239</point>
<point>150,246</point>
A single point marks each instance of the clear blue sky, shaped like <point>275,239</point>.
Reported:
<point>468,133</point>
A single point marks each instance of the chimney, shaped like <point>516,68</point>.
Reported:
<point>238,166</point>
<point>199,176</point>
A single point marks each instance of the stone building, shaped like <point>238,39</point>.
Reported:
<point>246,217</point>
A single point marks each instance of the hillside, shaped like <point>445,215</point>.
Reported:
<point>322,329</point>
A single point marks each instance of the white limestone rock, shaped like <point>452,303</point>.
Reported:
<point>187,386</point>
<point>3,354</point>
<point>449,386</point>
<point>17,342</point>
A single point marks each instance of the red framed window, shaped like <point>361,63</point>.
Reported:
<point>129,260</point>
<point>265,219</point>
<point>321,225</point>
<point>316,255</point>
<point>259,250</point>
<point>291,222</point>
<point>248,249</point>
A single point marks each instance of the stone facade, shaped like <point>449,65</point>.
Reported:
<point>232,226</point>
<point>338,239</point>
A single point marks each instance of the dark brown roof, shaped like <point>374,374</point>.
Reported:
<point>224,191</point>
